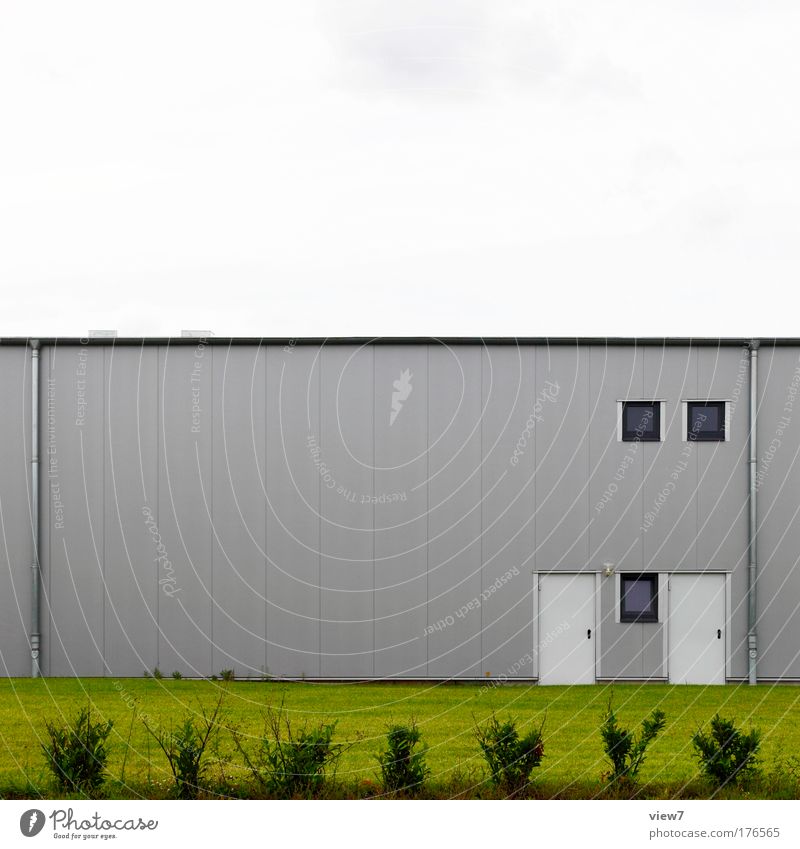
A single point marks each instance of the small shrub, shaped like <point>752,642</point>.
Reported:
<point>177,675</point>
<point>77,752</point>
<point>185,748</point>
<point>227,675</point>
<point>623,748</point>
<point>403,770</point>
<point>727,754</point>
<point>510,758</point>
<point>289,762</point>
<point>157,674</point>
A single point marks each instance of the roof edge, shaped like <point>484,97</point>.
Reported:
<point>659,341</point>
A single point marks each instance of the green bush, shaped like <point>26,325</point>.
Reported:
<point>77,752</point>
<point>726,754</point>
<point>177,675</point>
<point>403,767</point>
<point>185,748</point>
<point>623,748</point>
<point>510,758</point>
<point>227,675</point>
<point>289,762</point>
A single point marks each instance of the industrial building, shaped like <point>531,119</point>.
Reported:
<point>552,510</point>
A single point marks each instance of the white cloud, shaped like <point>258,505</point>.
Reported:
<point>399,168</point>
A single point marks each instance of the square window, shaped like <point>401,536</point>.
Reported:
<point>641,421</point>
<point>638,598</point>
<point>705,421</point>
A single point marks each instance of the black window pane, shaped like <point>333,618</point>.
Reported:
<point>712,418</point>
<point>638,596</point>
<point>706,421</point>
<point>641,420</point>
<point>705,418</point>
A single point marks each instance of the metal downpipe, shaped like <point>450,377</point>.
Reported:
<point>752,559</point>
<point>35,568</point>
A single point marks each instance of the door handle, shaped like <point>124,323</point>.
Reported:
<point>588,633</point>
<point>719,633</point>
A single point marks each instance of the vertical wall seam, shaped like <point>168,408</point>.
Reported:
<point>320,428</point>
<point>752,530</point>
<point>533,366</point>
<point>159,446</point>
<point>427,507</point>
<point>697,474</point>
<point>589,550</point>
<point>266,509</point>
<point>106,396</point>
<point>653,393</point>
<point>533,612</point>
<point>374,493</point>
<point>483,406</point>
<point>32,473</point>
<point>374,401</point>
<point>50,376</point>
<point>211,540</point>
<point>646,469</point>
<point>156,464</point>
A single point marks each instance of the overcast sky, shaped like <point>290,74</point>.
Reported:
<point>378,167</point>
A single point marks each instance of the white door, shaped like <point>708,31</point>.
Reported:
<point>696,629</point>
<point>565,638</point>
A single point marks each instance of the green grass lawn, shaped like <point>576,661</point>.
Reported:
<point>446,714</point>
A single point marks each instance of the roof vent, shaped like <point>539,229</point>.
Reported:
<point>102,334</point>
<point>196,334</point>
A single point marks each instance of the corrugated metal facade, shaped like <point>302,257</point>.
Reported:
<point>378,510</point>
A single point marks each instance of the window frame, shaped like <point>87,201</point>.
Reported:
<point>624,435</point>
<point>630,617</point>
<point>722,435</point>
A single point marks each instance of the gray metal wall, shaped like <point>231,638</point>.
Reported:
<point>15,516</point>
<point>779,513</point>
<point>257,508</point>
